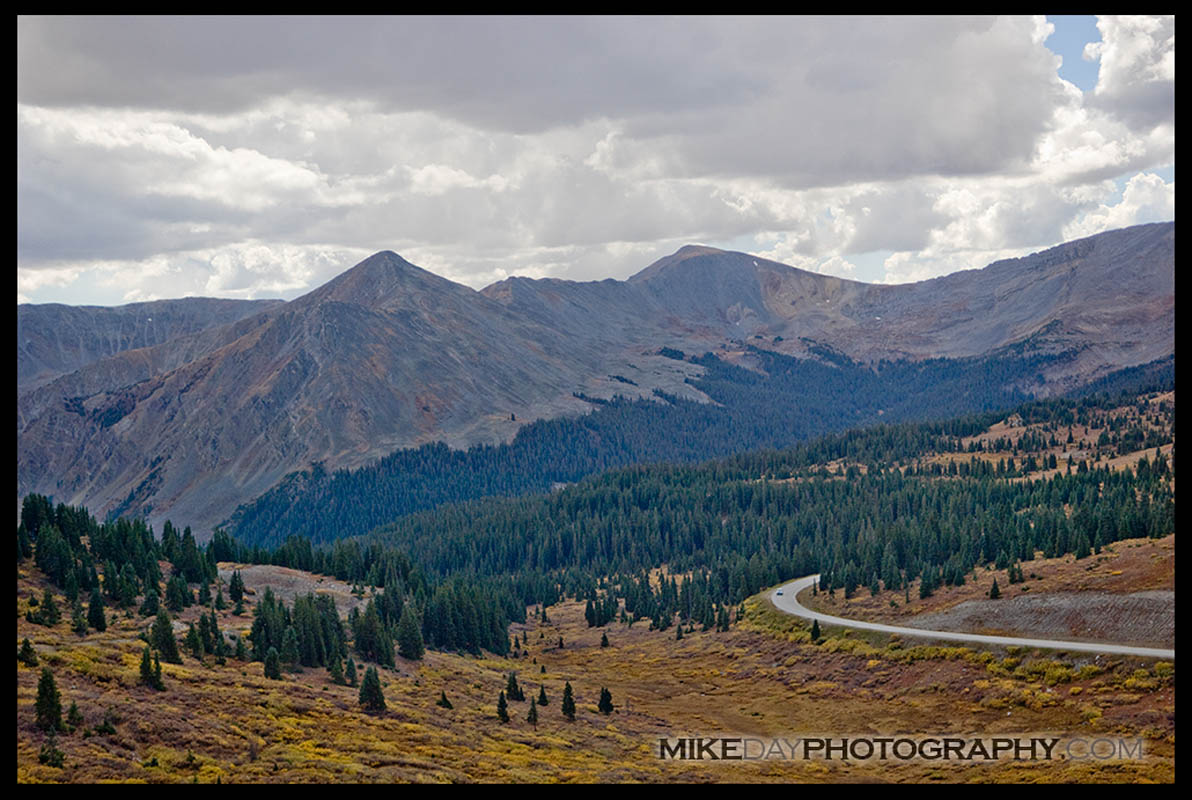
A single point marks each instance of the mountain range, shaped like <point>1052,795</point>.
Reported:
<point>188,408</point>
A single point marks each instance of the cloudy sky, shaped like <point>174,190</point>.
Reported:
<point>259,157</point>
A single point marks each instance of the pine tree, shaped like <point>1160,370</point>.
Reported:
<point>152,603</point>
<point>351,672</point>
<point>27,655</point>
<point>50,755</point>
<point>289,649</point>
<point>74,717</point>
<point>994,592</point>
<point>568,702</point>
<point>409,634</point>
<point>336,669</point>
<point>371,696</point>
<point>158,683</point>
<point>604,640</point>
<point>606,701</point>
<point>193,643</point>
<point>78,618</point>
<point>236,587</point>
<point>443,702</point>
<point>49,703</point>
<point>532,716</point>
<point>146,667</point>
<point>815,630</point>
<point>50,614</point>
<point>161,637</point>
<point>542,696</point>
<point>512,690</point>
<point>722,619</point>
<point>95,616</point>
<point>273,664</point>
<point>502,708</point>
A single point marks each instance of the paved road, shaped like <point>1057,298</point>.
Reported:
<point>787,601</point>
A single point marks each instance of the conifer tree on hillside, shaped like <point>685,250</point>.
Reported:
<point>194,643</point>
<point>161,637</point>
<point>74,717</point>
<point>371,696</point>
<point>568,707</point>
<point>78,617</point>
<point>236,587</point>
<point>289,649</point>
<point>151,671</point>
<point>502,708</point>
<point>336,670</point>
<point>27,655</point>
<point>50,614</point>
<point>532,716</point>
<point>409,634</point>
<point>49,703</point>
<point>512,690</point>
<point>606,701</point>
<point>95,612</point>
<point>146,667</point>
<point>273,664</point>
<point>151,604</point>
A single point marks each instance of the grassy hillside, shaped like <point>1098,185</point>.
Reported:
<point>761,678</point>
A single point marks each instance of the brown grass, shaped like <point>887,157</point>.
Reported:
<point>762,678</point>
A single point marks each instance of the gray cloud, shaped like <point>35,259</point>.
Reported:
<point>579,147</point>
<point>810,101</point>
<point>1136,81</point>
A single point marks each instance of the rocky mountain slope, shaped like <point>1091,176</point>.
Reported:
<point>388,355</point>
<point>1109,300</point>
<point>55,339</point>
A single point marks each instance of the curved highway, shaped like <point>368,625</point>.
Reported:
<point>785,598</point>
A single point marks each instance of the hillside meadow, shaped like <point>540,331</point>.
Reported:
<point>762,678</point>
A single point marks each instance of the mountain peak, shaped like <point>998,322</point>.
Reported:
<point>684,253</point>
<point>380,279</point>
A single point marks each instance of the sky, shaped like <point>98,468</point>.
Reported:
<point>253,157</point>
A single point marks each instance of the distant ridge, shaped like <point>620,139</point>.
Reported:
<point>192,419</point>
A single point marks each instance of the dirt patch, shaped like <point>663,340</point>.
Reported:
<point>1124,568</point>
<point>1143,618</point>
<point>289,583</point>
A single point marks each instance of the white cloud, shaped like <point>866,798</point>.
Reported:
<point>436,179</point>
<point>580,148</point>
<point>1146,198</point>
<point>1137,77</point>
